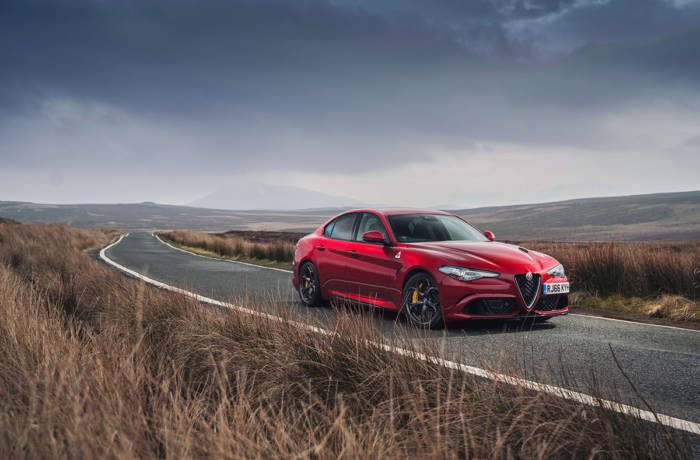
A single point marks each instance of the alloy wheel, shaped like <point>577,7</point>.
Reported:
<point>308,284</point>
<point>421,301</point>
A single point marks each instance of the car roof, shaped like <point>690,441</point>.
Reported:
<point>400,211</point>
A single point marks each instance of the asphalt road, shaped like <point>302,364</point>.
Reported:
<point>571,351</point>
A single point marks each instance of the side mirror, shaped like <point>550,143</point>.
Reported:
<point>374,237</point>
<point>489,234</point>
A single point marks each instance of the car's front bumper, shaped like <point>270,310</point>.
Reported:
<point>497,298</point>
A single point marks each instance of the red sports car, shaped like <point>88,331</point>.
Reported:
<point>432,266</point>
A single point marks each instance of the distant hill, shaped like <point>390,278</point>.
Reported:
<point>662,216</point>
<point>150,216</point>
<point>247,195</point>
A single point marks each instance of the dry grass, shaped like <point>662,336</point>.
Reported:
<point>629,269</point>
<point>675,307</point>
<point>656,280</point>
<point>96,365</point>
<point>279,252</point>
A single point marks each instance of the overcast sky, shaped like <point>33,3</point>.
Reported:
<point>401,102</point>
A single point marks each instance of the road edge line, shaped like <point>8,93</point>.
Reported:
<point>678,328</point>
<point>571,395</point>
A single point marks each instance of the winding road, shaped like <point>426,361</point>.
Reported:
<point>663,363</point>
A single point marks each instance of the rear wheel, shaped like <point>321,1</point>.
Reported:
<point>309,287</point>
<point>421,301</point>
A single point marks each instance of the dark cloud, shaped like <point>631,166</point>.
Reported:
<point>587,23</point>
<point>335,85</point>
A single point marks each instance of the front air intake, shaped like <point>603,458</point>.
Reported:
<point>552,302</point>
<point>490,306</point>
<point>528,286</point>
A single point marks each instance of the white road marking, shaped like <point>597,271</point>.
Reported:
<point>636,323</point>
<point>289,271</point>
<point>672,422</point>
<point>218,258</point>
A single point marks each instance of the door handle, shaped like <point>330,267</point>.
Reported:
<point>321,248</point>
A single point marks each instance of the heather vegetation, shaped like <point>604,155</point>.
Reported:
<point>96,365</point>
<point>658,280</point>
<point>269,251</point>
<point>630,269</point>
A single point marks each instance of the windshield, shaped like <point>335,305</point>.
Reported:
<point>415,228</point>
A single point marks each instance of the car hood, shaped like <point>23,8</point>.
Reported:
<point>490,255</point>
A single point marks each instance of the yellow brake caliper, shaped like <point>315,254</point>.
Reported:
<point>414,298</point>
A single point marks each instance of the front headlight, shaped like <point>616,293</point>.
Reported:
<point>557,271</point>
<point>466,274</point>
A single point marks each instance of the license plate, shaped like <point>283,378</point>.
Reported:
<point>555,288</point>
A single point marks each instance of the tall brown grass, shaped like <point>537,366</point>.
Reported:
<point>230,245</point>
<point>96,365</point>
<point>629,269</point>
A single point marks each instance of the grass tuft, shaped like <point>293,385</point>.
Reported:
<point>676,308</point>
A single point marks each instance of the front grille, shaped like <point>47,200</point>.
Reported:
<point>528,288</point>
<point>490,306</point>
<point>552,302</point>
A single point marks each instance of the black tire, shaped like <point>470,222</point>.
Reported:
<point>309,288</point>
<point>421,301</point>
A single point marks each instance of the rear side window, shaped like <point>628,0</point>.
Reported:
<point>343,226</point>
<point>329,228</point>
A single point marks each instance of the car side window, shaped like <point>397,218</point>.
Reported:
<point>343,226</point>
<point>369,223</point>
<point>329,229</point>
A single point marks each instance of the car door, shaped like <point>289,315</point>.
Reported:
<point>334,254</point>
<point>372,275</point>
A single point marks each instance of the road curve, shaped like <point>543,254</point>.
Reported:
<point>663,363</point>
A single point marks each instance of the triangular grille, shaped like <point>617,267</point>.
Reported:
<point>528,288</point>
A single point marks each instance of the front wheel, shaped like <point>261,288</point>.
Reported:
<point>309,287</point>
<point>421,301</point>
